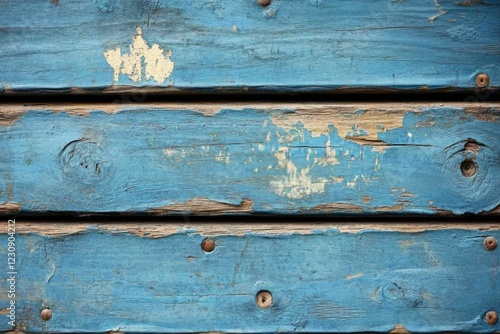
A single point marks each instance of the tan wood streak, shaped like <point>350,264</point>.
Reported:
<point>399,329</point>
<point>10,112</point>
<point>341,207</point>
<point>160,229</point>
<point>203,206</point>
<point>9,207</point>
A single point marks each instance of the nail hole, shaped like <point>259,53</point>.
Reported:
<point>264,299</point>
<point>264,3</point>
<point>482,80</point>
<point>46,314</point>
<point>208,245</point>
<point>468,168</point>
<point>491,317</point>
<point>490,243</point>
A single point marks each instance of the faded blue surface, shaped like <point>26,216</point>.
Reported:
<point>325,282</point>
<point>142,159</point>
<point>306,45</point>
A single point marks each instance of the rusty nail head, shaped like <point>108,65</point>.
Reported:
<point>468,168</point>
<point>264,299</point>
<point>482,80</point>
<point>490,243</point>
<point>264,2</point>
<point>208,245</point>
<point>491,317</point>
<point>46,314</point>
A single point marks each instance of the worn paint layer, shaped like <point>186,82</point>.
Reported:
<point>157,63</point>
<point>226,45</point>
<point>163,159</point>
<point>261,226</point>
<point>323,282</point>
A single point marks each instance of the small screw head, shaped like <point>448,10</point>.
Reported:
<point>208,245</point>
<point>264,2</point>
<point>490,243</point>
<point>491,318</point>
<point>46,314</point>
<point>468,168</point>
<point>482,80</point>
<point>264,299</point>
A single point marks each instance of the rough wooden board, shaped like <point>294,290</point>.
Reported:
<point>322,281</point>
<point>244,159</point>
<point>226,45</point>
<point>235,227</point>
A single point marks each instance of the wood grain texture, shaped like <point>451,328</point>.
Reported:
<point>244,159</point>
<point>321,281</point>
<point>311,45</point>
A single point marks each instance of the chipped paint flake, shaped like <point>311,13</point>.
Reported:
<point>157,63</point>
<point>223,157</point>
<point>329,158</point>
<point>350,123</point>
<point>354,276</point>
<point>297,183</point>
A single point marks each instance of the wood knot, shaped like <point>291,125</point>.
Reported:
<point>84,160</point>
<point>468,168</point>
<point>264,299</point>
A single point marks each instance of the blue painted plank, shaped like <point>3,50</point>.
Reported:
<point>289,45</point>
<point>215,159</point>
<point>327,281</point>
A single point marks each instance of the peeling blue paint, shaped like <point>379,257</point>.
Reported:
<point>290,45</point>
<point>142,159</point>
<point>98,281</point>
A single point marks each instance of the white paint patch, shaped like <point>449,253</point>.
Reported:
<point>223,157</point>
<point>329,158</point>
<point>296,183</point>
<point>158,65</point>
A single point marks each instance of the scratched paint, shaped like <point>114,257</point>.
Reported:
<point>157,63</point>
<point>337,282</point>
<point>143,159</point>
<point>222,45</point>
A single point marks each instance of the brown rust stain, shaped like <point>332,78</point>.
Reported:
<point>9,207</point>
<point>204,206</point>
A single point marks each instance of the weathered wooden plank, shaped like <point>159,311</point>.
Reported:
<point>261,158</point>
<point>288,45</point>
<point>321,280</point>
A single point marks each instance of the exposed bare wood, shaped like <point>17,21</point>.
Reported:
<point>158,230</point>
